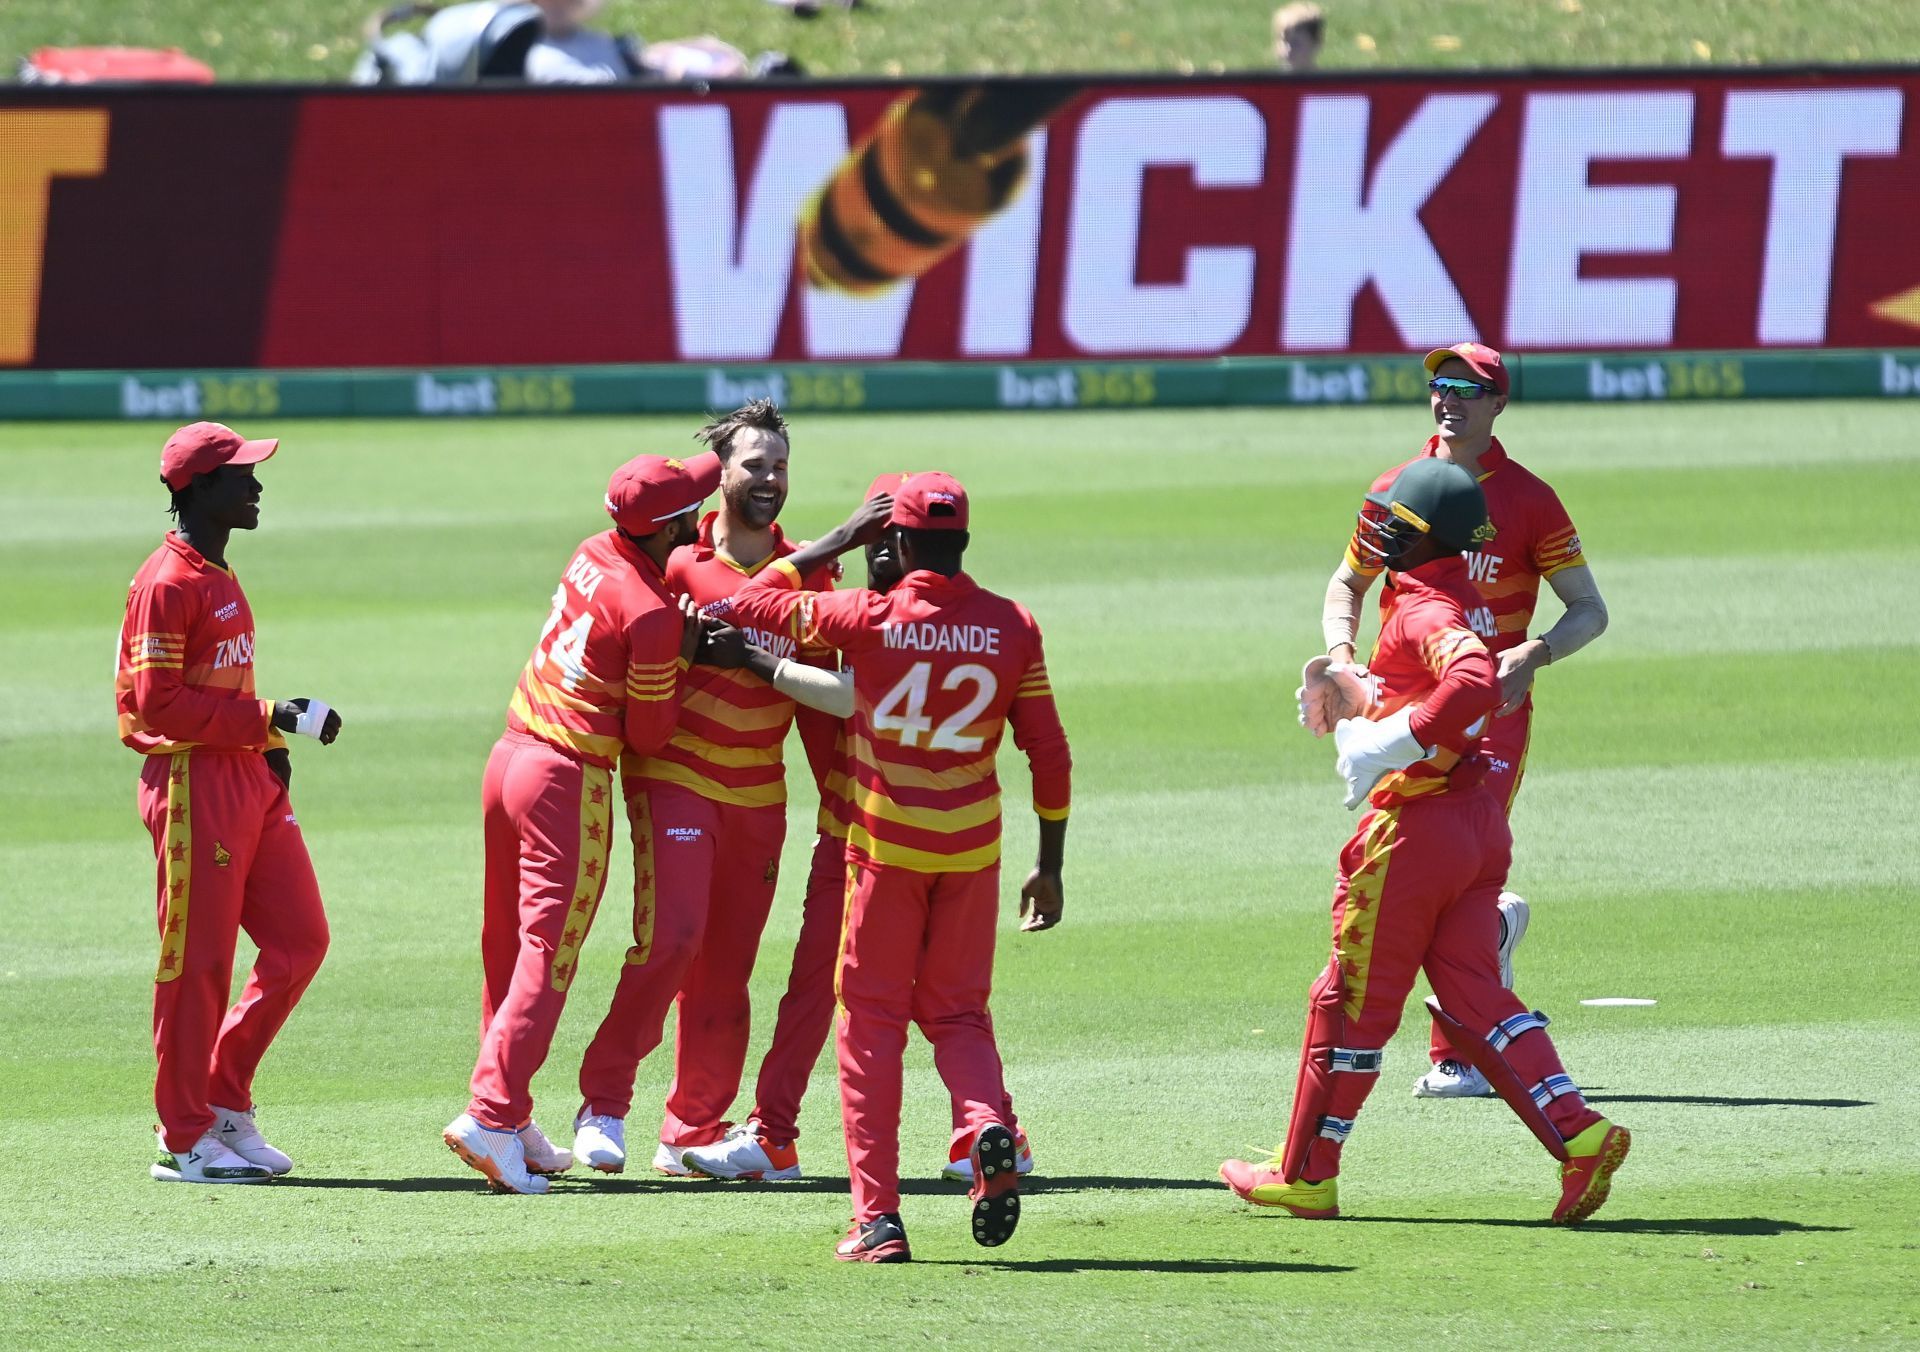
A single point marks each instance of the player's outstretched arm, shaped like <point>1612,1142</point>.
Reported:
<point>1042,896</point>
<point>864,527</point>
<point>1584,621</point>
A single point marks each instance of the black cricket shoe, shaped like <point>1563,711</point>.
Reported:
<point>880,1240</point>
<point>996,1185</point>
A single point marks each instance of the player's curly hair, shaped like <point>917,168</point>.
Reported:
<point>760,415</point>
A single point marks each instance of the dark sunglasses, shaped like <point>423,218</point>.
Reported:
<point>1460,389</point>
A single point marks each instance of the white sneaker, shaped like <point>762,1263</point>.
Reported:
<point>497,1154</point>
<point>600,1142</point>
<point>1452,1079</point>
<point>238,1133</point>
<point>1513,927</point>
<point>744,1154</point>
<point>666,1160</point>
<point>543,1156</point>
<point>208,1161</point>
<point>961,1170</point>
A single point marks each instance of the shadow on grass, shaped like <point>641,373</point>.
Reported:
<point>1715,1225</point>
<point>1716,1101</point>
<point>1195,1265</point>
<point>471,1183</point>
<point>911,1187</point>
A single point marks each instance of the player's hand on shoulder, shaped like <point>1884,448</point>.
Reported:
<point>722,645</point>
<point>307,717</point>
<point>1041,900</point>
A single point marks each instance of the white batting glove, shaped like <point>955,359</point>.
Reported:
<point>1369,751</point>
<point>1330,691</point>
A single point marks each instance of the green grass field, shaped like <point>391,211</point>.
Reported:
<point>1718,815</point>
<point>318,39</point>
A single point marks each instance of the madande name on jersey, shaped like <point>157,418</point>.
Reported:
<point>942,638</point>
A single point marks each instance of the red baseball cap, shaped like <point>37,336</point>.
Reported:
<point>930,501</point>
<point>1483,360</point>
<point>651,490</point>
<point>886,483</point>
<point>199,448</point>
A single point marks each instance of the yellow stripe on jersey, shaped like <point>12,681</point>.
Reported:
<point>727,757</point>
<point>960,776</point>
<point>1353,946</point>
<point>921,861</point>
<point>946,820</point>
<point>741,718</point>
<point>590,881</point>
<point>176,852</point>
<point>558,696</point>
<point>1051,814</point>
<point>771,794</point>
<point>586,743</point>
<point>1441,647</point>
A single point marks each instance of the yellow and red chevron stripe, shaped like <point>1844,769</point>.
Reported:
<point>1360,913</point>
<point>590,880</point>
<point>645,885</point>
<point>176,854</point>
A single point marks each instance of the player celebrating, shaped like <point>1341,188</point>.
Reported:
<point>709,813</point>
<point>1534,540</point>
<point>762,1147</point>
<point>1418,884</point>
<point>213,794</point>
<point>604,678</point>
<point>940,668</point>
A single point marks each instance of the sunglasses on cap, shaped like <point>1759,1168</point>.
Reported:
<point>1460,389</point>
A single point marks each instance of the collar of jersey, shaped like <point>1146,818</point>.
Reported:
<point>1495,457</point>
<point>704,548</point>
<point>194,556</point>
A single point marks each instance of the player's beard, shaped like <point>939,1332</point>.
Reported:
<point>754,515</point>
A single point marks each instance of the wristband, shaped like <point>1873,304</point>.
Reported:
<point>313,718</point>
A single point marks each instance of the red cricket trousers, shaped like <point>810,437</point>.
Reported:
<point>1418,887</point>
<point>703,886</point>
<point>229,857</point>
<point>917,947</point>
<point>1504,748</point>
<point>549,823</point>
<point>805,1018</point>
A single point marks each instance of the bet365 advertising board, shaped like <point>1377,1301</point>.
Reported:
<point>1098,226</point>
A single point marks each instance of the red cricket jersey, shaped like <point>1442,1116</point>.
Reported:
<point>733,725</point>
<point>1533,539</point>
<point>184,674</point>
<point>1424,644</point>
<point>605,673</point>
<point>941,667</point>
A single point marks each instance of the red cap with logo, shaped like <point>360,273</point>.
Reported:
<point>202,447</point>
<point>651,490</point>
<point>930,501</point>
<point>1481,359</point>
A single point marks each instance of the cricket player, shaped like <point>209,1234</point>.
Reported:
<point>604,680</point>
<point>1535,540</point>
<point>213,795</point>
<point>710,815</point>
<point>1417,886</point>
<point>762,1147</point>
<point>941,667</point>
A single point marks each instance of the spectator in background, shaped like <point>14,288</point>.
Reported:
<point>1299,31</point>
<point>571,53</point>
